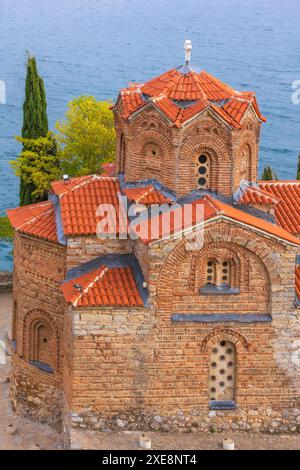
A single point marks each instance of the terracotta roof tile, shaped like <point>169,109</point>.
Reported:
<point>80,199</point>
<point>197,90</point>
<point>103,287</point>
<point>253,221</point>
<point>287,212</point>
<point>37,220</point>
<point>146,195</point>
<point>254,195</point>
<point>155,229</point>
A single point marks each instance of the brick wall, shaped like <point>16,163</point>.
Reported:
<point>83,249</point>
<point>137,369</point>
<point>38,322</point>
<point>149,147</point>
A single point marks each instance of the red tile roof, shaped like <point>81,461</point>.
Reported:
<point>287,212</point>
<point>103,287</point>
<point>80,199</point>
<point>159,226</point>
<point>198,90</point>
<point>37,220</point>
<point>146,195</point>
<point>254,195</point>
<point>253,221</point>
<point>154,229</point>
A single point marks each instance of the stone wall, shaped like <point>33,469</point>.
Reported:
<point>6,281</point>
<point>138,369</point>
<point>37,327</point>
<point>85,248</point>
<point>35,393</point>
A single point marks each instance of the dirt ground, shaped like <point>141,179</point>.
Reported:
<point>33,435</point>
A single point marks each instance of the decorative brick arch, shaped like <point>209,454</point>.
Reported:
<point>221,251</point>
<point>235,235</point>
<point>216,149</point>
<point>227,334</point>
<point>142,165</point>
<point>35,324</point>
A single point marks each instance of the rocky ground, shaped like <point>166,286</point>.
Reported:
<point>19,433</point>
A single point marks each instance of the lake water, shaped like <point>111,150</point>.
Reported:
<point>98,46</point>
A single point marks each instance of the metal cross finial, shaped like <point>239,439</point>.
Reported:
<point>187,48</point>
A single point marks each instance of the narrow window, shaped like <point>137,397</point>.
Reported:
<point>211,272</point>
<point>225,272</point>
<point>222,373</point>
<point>203,172</point>
<point>43,345</point>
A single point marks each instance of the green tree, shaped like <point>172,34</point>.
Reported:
<point>298,168</point>
<point>38,164</point>
<point>6,230</point>
<point>268,174</point>
<point>35,120</point>
<point>86,136</point>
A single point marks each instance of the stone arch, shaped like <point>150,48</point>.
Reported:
<point>223,333</point>
<point>41,340</point>
<point>219,155</point>
<point>234,234</point>
<point>151,157</point>
<point>220,252</point>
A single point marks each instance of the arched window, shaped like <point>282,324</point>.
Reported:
<point>203,172</point>
<point>222,372</point>
<point>220,272</point>
<point>42,347</point>
<point>211,272</point>
<point>153,156</point>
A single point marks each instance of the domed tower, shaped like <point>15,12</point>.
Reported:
<point>187,130</point>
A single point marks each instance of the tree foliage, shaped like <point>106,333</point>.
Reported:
<point>38,165</point>
<point>35,120</point>
<point>268,174</point>
<point>6,230</point>
<point>298,168</point>
<point>86,136</point>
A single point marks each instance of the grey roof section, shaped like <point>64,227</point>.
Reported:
<point>113,261</point>
<point>184,69</point>
<point>142,183</point>
<point>59,226</point>
<point>198,194</point>
<point>221,318</point>
<point>184,104</point>
<point>297,260</point>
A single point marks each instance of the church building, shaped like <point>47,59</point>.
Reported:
<point>149,332</point>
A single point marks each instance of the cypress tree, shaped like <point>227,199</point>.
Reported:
<point>268,174</point>
<point>35,120</point>
<point>298,168</point>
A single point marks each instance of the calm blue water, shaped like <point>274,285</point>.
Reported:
<point>97,46</point>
